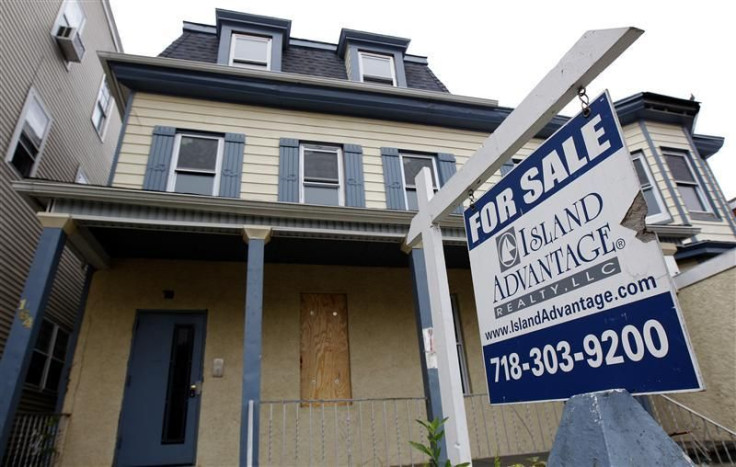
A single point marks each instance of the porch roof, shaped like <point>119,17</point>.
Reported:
<point>120,222</point>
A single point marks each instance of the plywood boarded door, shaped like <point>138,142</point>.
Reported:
<point>325,356</point>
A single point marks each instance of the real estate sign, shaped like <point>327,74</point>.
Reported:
<point>572,292</point>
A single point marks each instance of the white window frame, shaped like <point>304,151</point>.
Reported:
<point>663,214</point>
<point>340,170</point>
<point>699,190</point>
<point>233,40</point>
<point>81,177</point>
<point>32,95</point>
<point>412,186</point>
<point>49,356</point>
<point>392,65</point>
<point>171,183</point>
<point>105,112</point>
<point>60,16</point>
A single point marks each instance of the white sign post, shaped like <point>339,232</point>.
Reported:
<point>588,57</point>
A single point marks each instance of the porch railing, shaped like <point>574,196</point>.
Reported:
<point>341,432</point>
<point>33,441</point>
<point>704,440</point>
<point>511,431</point>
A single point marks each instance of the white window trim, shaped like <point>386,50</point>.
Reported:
<point>171,182</point>
<point>32,94</point>
<point>663,214</point>
<point>699,190</point>
<point>436,174</point>
<point>362,53</point>
<point>81,177</point>
<point>57,21</point>
<point>49,356</point>
<point>267,40</point>
<point>110,107</point>
<point>340,171</point>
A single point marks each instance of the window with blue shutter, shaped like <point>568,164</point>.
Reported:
<point>400,170</point>
<point>324,174</point>
<point>195,163</point>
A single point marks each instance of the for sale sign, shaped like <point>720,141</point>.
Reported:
<point>572,292</point>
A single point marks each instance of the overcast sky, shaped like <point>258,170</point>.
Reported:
<point>500,50</point>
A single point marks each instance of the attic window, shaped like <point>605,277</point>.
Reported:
<point>247,51</point>
<point>375,68</point>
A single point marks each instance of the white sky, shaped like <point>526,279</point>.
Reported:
<point>501,49</point>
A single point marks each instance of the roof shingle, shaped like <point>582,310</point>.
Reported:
<point>202,47</point>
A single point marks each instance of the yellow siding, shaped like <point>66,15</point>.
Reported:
<point>381,329</point>
<point>264,126</point>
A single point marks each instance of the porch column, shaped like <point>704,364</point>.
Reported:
<point>252,345</point>
<point>427,355</point>
<point>29,315</point>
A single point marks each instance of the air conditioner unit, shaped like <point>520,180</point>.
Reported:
<point>70,43</point>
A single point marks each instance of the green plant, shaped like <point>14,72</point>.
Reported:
<point>435,433</point>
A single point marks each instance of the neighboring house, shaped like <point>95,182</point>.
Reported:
<point>251,299</point>
<point>58,121</point>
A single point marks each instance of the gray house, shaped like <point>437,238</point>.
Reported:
<point>57,122</point>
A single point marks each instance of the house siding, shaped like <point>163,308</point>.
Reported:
<point>32,59</point>
<point>265,126</point>
<point>674,137</point>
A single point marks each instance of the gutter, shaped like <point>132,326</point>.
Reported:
<point>177,64</point>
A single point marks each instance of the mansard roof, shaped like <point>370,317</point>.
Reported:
<point>199,42</point>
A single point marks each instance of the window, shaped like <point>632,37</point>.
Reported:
<point>460,344</point>
<point>30,135</point>
<point>689,188</point>
<point>47,360</point>
<point>195,166</point>
<point>248,51</point>
<point>71,16</point>
<point>375,68</point>
<point>321,175</point>
<point>411,165</point>
<point>81,177</point>
<point>655,205</point>
<point>101,111</point>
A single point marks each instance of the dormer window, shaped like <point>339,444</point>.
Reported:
<point>376,68</point>
<point>249,51</point>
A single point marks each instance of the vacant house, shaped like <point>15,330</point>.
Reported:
<point>251,299</point>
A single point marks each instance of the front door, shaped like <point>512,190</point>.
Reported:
<point>158,424</point>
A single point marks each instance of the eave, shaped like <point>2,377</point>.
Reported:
<point>708,145</point>
<point>658,108</point>
<point>301,92</point>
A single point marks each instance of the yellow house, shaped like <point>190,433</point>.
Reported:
<point>250,300</point>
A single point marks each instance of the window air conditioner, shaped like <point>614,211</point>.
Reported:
<point>70,43</point>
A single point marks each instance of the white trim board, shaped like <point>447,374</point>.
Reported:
<point>710,268</point>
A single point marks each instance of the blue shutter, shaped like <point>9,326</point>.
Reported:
<point>159,158</point>
<point>289,170</point>
<point>447,168</point>
<point>392,179</point>
<point>506,167</point>
<point>232,165</point>
<point>354,182</point>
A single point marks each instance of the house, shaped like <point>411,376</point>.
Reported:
<point>57,122</point>
<point>251,301</point>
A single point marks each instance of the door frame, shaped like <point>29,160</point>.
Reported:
<point>162,311</point>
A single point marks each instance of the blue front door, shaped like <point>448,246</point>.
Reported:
<point>158,424</point>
